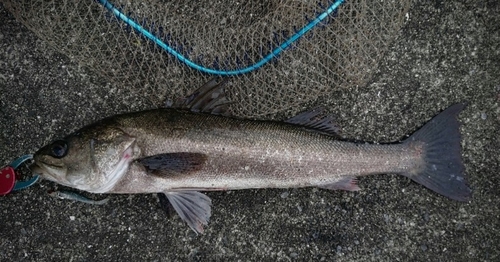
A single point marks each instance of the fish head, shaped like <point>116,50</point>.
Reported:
<point>92,159</point>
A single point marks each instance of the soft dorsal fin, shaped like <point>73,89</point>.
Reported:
<point>209,98</point>
<point>317,119</point>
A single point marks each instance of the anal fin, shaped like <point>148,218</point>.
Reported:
<point>348,184</point>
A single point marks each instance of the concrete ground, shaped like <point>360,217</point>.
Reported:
<point>448,51</point>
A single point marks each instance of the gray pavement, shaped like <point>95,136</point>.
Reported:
<point>448,51</point>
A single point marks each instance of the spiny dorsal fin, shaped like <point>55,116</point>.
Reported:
<point>209,98</point>
<point>317,119</point>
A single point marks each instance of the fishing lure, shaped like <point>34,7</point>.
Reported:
<point>61,194</point>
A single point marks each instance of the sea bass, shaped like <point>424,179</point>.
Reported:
<point>195,147</point>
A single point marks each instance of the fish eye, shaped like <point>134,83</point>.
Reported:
<point>59,149</point>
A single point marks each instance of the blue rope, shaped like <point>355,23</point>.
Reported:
<point>201,68</point>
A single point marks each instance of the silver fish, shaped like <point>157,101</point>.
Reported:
<point>193,148</point>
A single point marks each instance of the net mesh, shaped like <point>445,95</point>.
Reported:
<point>340,52</point>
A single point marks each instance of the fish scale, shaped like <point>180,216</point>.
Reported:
<point>259,152</point>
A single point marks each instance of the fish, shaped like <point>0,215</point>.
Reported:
<point>195,145</point>
<point>62,194</point>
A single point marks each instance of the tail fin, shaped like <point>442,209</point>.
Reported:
<point>443,170</point>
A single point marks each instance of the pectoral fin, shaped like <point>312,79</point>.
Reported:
<point>192,206</point>
<point>173,163</point>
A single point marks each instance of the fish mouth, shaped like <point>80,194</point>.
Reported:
<point>44,170</point>
<point>36,169</point>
